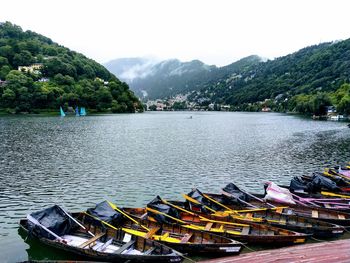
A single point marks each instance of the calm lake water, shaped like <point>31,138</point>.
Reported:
<point>129,159</point>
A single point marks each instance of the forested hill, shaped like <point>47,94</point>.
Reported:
<point>306,81</point>
<point>36,73</point>
<point>315,69</point>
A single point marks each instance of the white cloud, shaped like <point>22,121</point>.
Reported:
<point>215,31</point>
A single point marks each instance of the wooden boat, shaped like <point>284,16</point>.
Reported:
<point>264,215</point>
<point>252,233</point>
<point>323,214</point>
<point>89,239</point>
<point>324,199</point>
<point>173,235</point>
<point>299,209</point>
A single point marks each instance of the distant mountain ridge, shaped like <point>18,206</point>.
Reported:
<point>297,82</point>
<point>170,77</point>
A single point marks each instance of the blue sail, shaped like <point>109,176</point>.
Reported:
<point>82,111</point>
<point>77,111</point>
<point>62,112</point>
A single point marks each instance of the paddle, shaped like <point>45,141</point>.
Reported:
<point>218,203</point>
<point>257,198</point>
<point>197,202</point>
<point>179,208</point>
<point>238,216</point>
<point>76,221</point>
<point>336,195</point>
<point>98,219</point>
<point>186,224</point>
<point>327,173</point>
<point>241,200</point>
<point>251,195</point>
<point>202,218</point>
<point>126,215</point>
<point>36,222</point>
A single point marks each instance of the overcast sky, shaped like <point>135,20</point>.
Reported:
<point>214,31</point>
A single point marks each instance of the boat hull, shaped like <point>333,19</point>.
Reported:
<point>101,256</point>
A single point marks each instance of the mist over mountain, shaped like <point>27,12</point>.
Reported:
<point>128,69</point>
<point>151,79</point>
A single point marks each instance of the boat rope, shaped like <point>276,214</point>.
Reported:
<point>182,255</point>
<point>188,259</point>
<point>248,247</point>
<point>318,240</point>
<point>346,230</point>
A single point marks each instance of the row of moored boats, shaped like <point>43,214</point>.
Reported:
<point>204,223</point>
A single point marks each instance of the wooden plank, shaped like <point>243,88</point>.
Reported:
<point>144,216</point>
<point>186,238</point>
<point>245,230</point>
<point>151,232</point>
<point>283,219</point>
<point>125,247</point>
<point>105,245</point>
<point>91,240</point>
<point>149,251</point>
<point>341,216</point>
<point>208,226</point>
<point>249,216</point>
<point>279,210</point>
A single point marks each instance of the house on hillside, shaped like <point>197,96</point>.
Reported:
<point>266,109</point>
<point>225,107</point>
<point>34,68</point>
<point>332,114</point>
<point>2,83</point>
<point>331,110</point>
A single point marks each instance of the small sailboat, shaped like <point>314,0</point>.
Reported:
<point>62,112</point>
<point>82,111</point>
<point>77,112</point>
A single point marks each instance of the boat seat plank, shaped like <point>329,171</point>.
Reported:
<point>91,240</point>
<point>186,238</point>
<point>105,245</point>
<point>314,213</point>
<point>279,210</point>
<point>245,230</point>
<point>270,233</point>
<point>341,216</point>
<point>208,226</point>
<point>144,216</point>
<point>249,216</point>
<point>151,232</point>
<point>149,251</point>
<point>283,219</point>
<point>125,246</point>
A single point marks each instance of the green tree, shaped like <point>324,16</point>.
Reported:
<point>344,105</point>
<point>4,70</point>
<point>23,59</point>
<point>8,98</point>
<point>3,61</point>
<point>319,103</point>
<point>104,99</point>
<point>152,107</point>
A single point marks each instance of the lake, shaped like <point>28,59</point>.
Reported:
<point>129,159</point>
